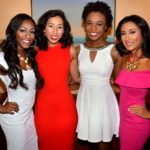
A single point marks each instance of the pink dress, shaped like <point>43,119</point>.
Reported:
<point>134,130</point>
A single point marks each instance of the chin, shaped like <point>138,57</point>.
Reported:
<point>131,49</point>
<point>54,41</point>
<point>93,38</point>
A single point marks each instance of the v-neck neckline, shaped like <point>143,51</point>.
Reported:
<point>89,56</point>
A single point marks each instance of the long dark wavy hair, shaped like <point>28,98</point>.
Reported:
<point>9,47</point>
<point>42,41</point>
<point>145,32</point>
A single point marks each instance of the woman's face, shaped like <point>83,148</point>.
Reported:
<point>54,30</point>
<point>95,26</point>
<point>131,36</point>
<point>25,35</point>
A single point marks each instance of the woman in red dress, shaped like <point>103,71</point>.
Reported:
<point>55,110</point>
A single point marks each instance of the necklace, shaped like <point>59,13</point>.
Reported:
<point>26,61</point>
<point>131,64</point>
<point>133,60</point>
<point>95,48</point>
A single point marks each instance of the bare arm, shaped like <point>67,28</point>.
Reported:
<point>7,107</point>
<point>117,65</point>
<point>115,87</point>
<point>141,111</point>
<point>117,59</point>
<point>3,92</point>
<point>74,65</point>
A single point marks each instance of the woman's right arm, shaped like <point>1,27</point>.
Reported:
<point>7,107</point>
<point>117,60</point>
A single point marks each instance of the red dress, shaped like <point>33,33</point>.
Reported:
<point>55,110</point>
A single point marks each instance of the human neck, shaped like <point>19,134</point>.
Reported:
<point>136,53</point>
<point>53,44</point>
<point>133,59</point>
<point>21,52</point>
<point>96,44</point>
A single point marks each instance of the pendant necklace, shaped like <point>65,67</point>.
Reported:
<point>132,64</point>
<point>26,61</point>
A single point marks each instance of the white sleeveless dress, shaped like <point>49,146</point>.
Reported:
<point>19,129</point>
<point>98,113</point>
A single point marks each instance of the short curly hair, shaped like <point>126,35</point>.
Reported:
<point>101,7</point>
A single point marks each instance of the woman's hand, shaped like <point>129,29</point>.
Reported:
<point>9,108</point>
<point>141,111</point>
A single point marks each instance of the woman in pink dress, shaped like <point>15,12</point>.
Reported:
<point>133,35</point>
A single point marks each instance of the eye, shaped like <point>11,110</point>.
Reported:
<point>89,23</point>
<point>99,24</point>
<point>22,30</point>
<point>60,27</point>
<point>123,33</point>
<point>32,32</point>
<point>50,25</point>
<point>132,32</point>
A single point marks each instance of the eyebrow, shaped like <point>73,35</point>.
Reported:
<point>26,27</point>
<point>129,29</point>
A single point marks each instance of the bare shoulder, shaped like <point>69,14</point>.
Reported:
<point>147,63</point>
<point>77,49</point>
<point>74,50</point>
<point>115,54</point>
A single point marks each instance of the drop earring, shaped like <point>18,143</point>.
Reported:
<point>33,43</point>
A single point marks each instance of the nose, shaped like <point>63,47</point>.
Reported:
<point>93,27</point>
<point>127,37</point>
<point>55,30</point>
<point>28,35</point>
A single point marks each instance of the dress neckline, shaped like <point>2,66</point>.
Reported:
<point>135,71</point>
<point>58,45</point>
<point>98,48</point>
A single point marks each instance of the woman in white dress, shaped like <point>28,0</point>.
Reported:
<point>98,113</point>
<point>20,76</point>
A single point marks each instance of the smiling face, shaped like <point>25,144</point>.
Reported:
<point>54,30</point>
<point>95,26</point>
<point>25,35</point>
<point>131,36</point>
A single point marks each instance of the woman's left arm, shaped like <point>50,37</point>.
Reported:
<point>141,111</point>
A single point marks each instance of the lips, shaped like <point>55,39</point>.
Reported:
<point>129,43</point>
<point>26,41</point>
<point>93,34</point>
<point>54,37</point>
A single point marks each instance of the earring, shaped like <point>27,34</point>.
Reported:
<point>44,32</point>
<point>33,43</point>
